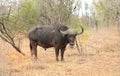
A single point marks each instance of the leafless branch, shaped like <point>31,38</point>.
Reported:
<point>6,34</point>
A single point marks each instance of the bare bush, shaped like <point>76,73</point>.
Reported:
<point>5,33</point>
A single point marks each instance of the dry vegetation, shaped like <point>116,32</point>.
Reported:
<point>100,57</point>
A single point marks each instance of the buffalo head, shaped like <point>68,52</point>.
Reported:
<point>71,35</point>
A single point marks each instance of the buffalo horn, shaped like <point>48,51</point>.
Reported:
<point>80,32</point>
<point>64,32</point>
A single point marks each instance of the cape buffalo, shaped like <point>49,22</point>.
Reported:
<point>52,36</point>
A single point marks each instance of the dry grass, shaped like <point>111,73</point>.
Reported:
<point>100,57</point>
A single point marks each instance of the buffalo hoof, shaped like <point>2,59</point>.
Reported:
<point>62,60</point>
<point>57,59</point>
<point>34,59</point>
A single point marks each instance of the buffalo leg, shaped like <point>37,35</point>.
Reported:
<point>33,47</point>
<point>62,54</point>
<point>35,51</point>
<point>57,54</point>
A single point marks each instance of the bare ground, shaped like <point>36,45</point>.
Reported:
<point>100,57</point>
